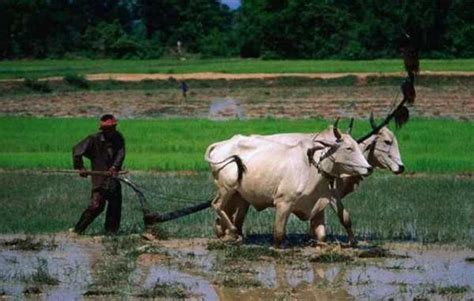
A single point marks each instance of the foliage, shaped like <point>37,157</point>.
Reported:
<point>174,290</point>
<point>168,144</point>
<point>76,80</point>
<point>37,86</point>
<point>259,28</point>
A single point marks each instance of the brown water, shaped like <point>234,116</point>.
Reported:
<point>411,271</point>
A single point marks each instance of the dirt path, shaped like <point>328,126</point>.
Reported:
<point>235,76</point>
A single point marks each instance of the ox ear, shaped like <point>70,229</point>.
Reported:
<point>323,143</point>
<point>323,140</point>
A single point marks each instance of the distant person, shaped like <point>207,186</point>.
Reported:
<point>184,89</point>
<point>106,151</point>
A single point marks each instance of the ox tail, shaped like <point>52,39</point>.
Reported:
<point>241,169</point>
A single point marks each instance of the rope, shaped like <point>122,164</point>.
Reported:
<point>151,218</point>
<point>176,199</point>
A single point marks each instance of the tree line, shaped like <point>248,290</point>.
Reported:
<point>271,29</point>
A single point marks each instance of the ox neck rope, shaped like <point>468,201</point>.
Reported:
<point>328,175</point>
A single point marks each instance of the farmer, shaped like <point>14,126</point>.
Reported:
<point>106,151</point>
<point>184,89</point>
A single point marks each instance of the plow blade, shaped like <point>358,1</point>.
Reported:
<point>153,218</point>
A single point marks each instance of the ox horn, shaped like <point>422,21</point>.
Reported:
<point>336,131</point>
<point>351,124</point>
<point>372,122</point>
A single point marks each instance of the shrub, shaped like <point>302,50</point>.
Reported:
<point>76,80</point>
<point>36,85</point>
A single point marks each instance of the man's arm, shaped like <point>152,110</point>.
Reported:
<point>120,156</point>
<point>79,150</point>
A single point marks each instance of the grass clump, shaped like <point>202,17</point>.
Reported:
<point>32,290</point>
<point>121,253</point>
<point>375,252</point>
<point>37,86</point>
<point>452,289</point>
<point>77,81</point>
<point>165,290</point>
<point>42,276</point>
<point>26,244</point>
<point>331,257</point>
<point>250,253</point>
<point>239,281</point>
<point>94,291</point>
<point>216,245</point>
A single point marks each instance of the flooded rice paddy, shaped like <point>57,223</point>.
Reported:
<point>60,267</point>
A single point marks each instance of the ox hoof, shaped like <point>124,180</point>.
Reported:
<point>148,236</point>
<point>280,245</point>
<point>232,238</point>
<point>219,231</point>
<point>321,245</point>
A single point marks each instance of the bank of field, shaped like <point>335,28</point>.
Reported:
<point>433,146</point>
<point>432,208</point>
<point>47,68</point>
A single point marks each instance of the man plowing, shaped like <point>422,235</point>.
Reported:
<point>106,152</point>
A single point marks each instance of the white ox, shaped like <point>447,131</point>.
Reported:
<point>381,151</point>
<point>293,178</point>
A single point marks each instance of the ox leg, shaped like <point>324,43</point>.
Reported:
<point>345,219</point>
<point>283,210</point>
<point>220,227</point>
<point>219,203</point>
<point>236,209</point>
<point>317,227</point>
<point>239,216</point>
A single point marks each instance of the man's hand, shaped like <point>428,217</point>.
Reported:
<point>83,173</point>
<point>113,172</point>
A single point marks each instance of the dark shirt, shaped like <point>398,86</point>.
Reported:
<point>103,153</point>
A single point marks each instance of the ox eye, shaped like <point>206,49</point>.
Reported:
<point>349,149</point>
<point>388,142</point>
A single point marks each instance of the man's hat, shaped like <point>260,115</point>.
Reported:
<point>107,120</point>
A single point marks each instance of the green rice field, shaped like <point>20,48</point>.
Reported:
<point>434,205</point>
<point>428,146</point>
<point>46,68</point>
<point>431,208</point>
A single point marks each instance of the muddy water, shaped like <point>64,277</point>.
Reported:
<point>409,271</point>
<point>60,271</point>
<point>426,271</point>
